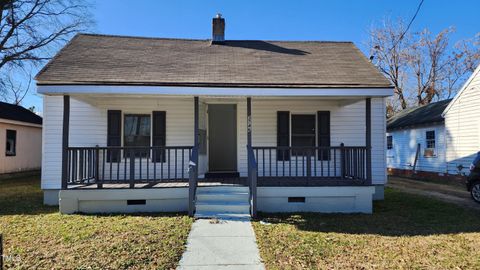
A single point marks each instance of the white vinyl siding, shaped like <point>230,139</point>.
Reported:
<point>347,125</point>
<point>402,155</point>
<point>462,127</point>
<point>88,125</point>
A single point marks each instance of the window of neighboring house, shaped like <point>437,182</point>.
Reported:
<point>11,145</point>
<point>389,142</point>
<point>430,143</point>
<point>136,132</point>
<point>303,131</point>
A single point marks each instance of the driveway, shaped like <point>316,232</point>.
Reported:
<point>449,193</point>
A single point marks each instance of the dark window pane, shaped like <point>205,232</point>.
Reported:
<point>430,139</point>
<point>303,133</point>
<point>303,141</point>
<point>137,133</point>
<point>11,143</point>
<point>389,142</point>
<point>303,124</point>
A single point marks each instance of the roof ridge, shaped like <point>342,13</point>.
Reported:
<point>195,39</point>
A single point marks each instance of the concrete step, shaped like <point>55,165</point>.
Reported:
<point>214,195</point>
<point>222,215</point>
<point>223,206</point>
<point>223,189</point>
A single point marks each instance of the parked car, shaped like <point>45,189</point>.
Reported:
<point>473,180</point>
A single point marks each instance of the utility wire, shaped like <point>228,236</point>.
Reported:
<point>408,26</point>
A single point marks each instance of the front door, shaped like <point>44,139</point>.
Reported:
<point>222,137</point>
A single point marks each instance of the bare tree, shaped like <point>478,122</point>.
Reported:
<point>422,67</point>
<point>388,47</point>
<point>31,31</point>
<point>428,59</point>
<point>462,61</point>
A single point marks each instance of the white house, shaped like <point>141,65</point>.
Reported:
<point>212,126</point>
<point>462,126</point>
<point>416,141</point>
<point>21,137</point>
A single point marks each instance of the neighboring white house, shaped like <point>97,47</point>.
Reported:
<point>462,124</point>
<point>150,124</point>
<point>21,137</point>
<point>416,141</point>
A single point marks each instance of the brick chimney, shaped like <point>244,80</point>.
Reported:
<point>218,31</point>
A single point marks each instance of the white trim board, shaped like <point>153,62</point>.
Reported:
<point>203,91</point>
<point>19,123</point>
<point>464,87</point>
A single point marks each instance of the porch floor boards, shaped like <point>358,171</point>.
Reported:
<point>241,181</point>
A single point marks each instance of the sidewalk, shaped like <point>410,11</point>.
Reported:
<point>221,244</point>
<point>448,193</point>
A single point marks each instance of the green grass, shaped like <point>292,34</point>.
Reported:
<point>404,232</point>
<point>38,237</point>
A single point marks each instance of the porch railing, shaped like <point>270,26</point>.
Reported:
<point>336,162</point>
<point>127,165</point>
<point>252,180</point>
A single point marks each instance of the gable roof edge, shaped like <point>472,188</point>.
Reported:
<point>464,87</point>
<point>48,64</point>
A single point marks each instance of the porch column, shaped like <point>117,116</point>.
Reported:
<point>66,125</point>
<point>195,119</point>
<point>193,174</point>
<point>368,137</point>
<point>249,121</point>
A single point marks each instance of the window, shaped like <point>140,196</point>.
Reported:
<point>430,144</point>
<point>390,142</point>
<point>303,131</point>
<point>137,132</point>
<point>11,145</point>
<point>430,136</point>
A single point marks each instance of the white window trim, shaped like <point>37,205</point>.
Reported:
<point>435,155</point>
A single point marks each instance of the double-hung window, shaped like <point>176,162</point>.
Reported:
<point>430,143</point>
<point>303,133</point>
<point>389,142</point>
<point>11,143</point>
<point>137,132</point>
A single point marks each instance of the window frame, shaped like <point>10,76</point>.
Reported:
<point>14,152</point>
<point>292,134</point>
<point>389,144</point>
<point>137,154</point>
<point>427,141</point>
<point>434,140</point>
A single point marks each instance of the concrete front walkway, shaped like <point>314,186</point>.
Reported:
<point>221,244</point>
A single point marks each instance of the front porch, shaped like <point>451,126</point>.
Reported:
<point>261,166</point>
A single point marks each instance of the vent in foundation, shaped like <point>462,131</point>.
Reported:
<point>296,199</point>
<point>136,202</point>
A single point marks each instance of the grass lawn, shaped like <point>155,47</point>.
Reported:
<point>405,232</point>
<point>38,237</point>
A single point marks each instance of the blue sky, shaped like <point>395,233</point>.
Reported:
<point>276,20</point>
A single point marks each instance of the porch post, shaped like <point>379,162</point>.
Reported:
<point>193,173</point>
<point>66,124</point>
<point>195,117</point>
<point>368,137</point>
<point>249,121</point>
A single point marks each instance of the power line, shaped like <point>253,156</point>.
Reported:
<point>408,26</point>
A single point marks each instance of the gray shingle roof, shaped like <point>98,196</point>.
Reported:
<point>101,59</point>
<point>426,114</point>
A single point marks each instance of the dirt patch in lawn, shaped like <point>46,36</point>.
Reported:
<point>449,193</point>
<point>405,231</point>
<point>38,237</point>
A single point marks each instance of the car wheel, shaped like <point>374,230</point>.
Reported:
<point>475,192</point>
